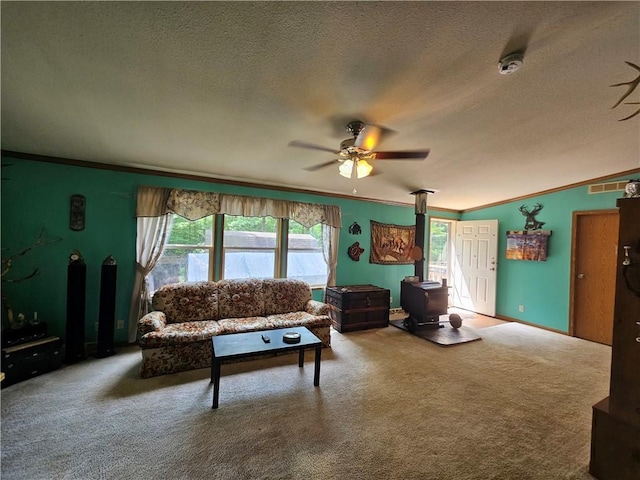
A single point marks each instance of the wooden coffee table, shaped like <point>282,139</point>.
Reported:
<point>240,345</point>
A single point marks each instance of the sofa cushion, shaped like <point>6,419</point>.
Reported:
<point>240,298</point>
<point>152,322</point>
<point>245,324</point>
<point>315,307</point>
<point>181,333</point>
<point>297,319</point>
<point>285,295</point>
<point>187,302</point>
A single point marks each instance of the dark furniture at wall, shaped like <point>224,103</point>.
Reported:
<point>615,434</point>
<point>424,301</point>
<point>358,307</point>
<point>28,352</point>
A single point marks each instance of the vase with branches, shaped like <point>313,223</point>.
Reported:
<point>7,264</point>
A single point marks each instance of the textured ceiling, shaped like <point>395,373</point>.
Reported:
<point>220,88</point>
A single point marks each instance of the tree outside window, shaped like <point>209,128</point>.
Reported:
<point>186,257</point>
<point>305,260</point>
<point>251,249</point>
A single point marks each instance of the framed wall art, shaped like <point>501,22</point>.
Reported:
<point>528,245</point>
<point>392,244</point>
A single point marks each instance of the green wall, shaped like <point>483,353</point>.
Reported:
<point>36,195</point>
<point>542,287</point>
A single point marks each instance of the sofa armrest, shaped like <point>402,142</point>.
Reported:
<point>152,322</point>
<point>314,307</point>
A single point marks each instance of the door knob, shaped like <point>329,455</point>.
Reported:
<point>581,275</point>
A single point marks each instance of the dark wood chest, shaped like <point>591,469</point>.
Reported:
<point>358,307</point>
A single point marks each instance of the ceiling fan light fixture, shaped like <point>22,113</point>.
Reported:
<point>363,168</point>
<point>346,168</point>
<point>355,168</point>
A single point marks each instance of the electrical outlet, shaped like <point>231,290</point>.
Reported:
<point>96,326</point>
<point>521,308</point>
<point>120,324</point>
<point>391,300</point>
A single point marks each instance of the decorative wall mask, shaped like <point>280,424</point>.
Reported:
<point>355,251</point>
<point>531,223</point>
<point>355,229</point>
<point>77,208</point>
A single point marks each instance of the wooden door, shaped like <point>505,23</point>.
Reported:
<point>475,261</point>
<point>593,269</point>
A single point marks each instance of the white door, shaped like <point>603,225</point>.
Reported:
<point>475,260</point>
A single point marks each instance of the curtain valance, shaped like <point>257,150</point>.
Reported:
<point>152,201</point>
<point>193,205</point>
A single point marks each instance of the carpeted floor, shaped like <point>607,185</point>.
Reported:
<point>516,405</point>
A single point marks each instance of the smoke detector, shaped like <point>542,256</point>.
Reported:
<point>510,63</point>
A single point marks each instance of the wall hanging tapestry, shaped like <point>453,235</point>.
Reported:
<point>528,245</point>
<point>391,244</point>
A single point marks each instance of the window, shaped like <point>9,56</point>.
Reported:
<point>250,247</point>
<point>305,260</point>
<point>186,256</point>
<point>439,233</point>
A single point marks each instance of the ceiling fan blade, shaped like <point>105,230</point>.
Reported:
<point>369,137</point>
<point>319,166</point>
<point>312,146</point>
<point>407,155</point>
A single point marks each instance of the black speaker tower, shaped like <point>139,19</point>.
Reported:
<point>107,315</point>
<point>76,300</point>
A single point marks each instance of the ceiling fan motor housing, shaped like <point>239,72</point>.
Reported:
<point>348,143</point>
<point>355,127</point>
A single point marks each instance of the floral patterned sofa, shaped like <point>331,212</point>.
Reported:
<point>176,335</point>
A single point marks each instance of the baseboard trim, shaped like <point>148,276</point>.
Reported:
<point>511,319</point>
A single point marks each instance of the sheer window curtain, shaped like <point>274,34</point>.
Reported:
<point>153,226</point>
<point>330,236</point>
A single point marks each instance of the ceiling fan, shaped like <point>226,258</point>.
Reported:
<point>355,153</point>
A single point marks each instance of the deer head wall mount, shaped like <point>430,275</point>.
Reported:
<point>531,223</point>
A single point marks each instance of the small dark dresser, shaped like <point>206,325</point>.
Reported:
<point>28,352</point>
<point>358,307</point>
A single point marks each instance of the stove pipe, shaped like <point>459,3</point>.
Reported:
<point>421,210</point>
